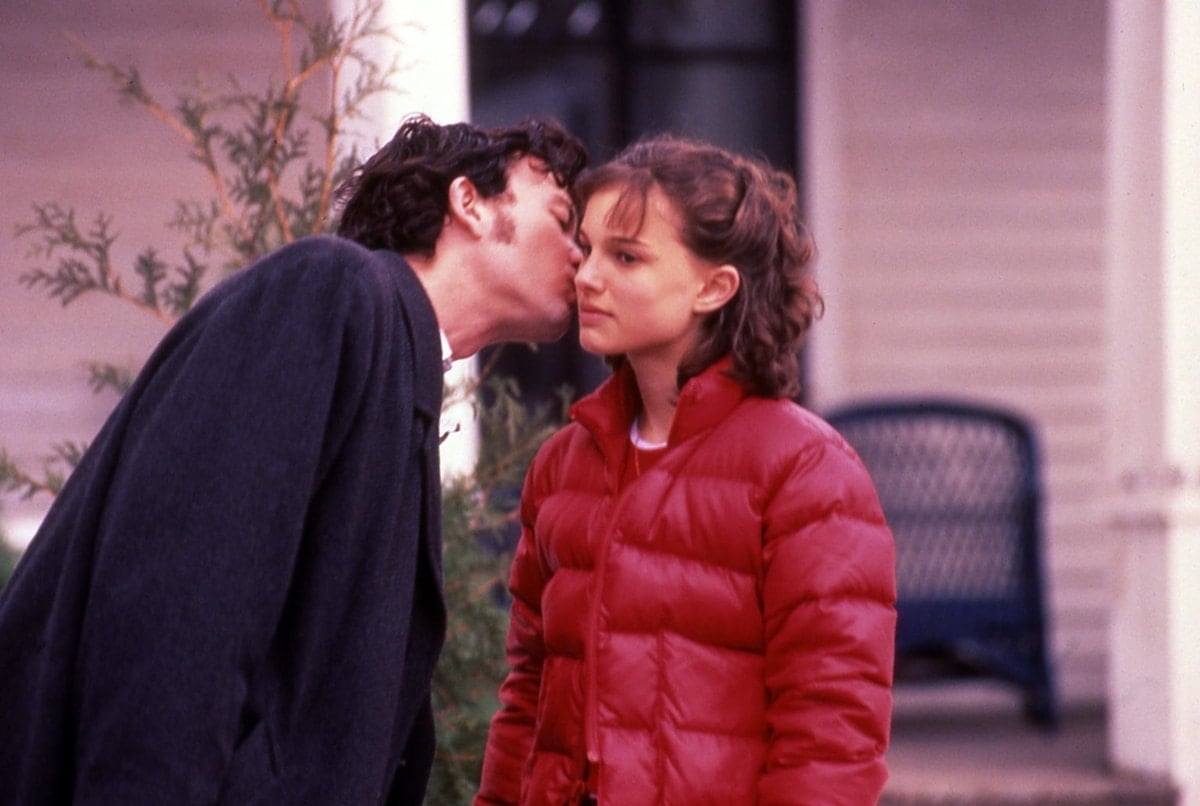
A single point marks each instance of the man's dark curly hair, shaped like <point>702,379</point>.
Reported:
<point>398,199</point>
<point>729,209</point>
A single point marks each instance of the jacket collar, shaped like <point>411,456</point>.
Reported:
<point>704,401</point>
<point>422,325</point>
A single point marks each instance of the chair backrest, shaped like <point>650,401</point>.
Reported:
<point>959,485</point>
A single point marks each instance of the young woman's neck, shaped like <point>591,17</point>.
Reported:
<point>657,386</point>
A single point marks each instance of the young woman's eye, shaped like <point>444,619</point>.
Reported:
<point>625,258</point>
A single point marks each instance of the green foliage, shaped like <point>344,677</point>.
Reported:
<point>8,558</point>
<point>472,663</point>
<point>15,480</point>
<point>273,159</point>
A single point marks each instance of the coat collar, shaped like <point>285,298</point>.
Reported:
<point>422,325</point>
<point>704,401</point>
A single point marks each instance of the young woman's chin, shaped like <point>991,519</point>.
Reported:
<point>595,346</point>
<point>588,340</point>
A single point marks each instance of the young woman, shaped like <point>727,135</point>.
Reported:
<point>704,585</point>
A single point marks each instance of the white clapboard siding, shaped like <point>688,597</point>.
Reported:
<point>964,221</point>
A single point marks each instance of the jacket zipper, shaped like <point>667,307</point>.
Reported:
<point>592,701</point>
<point>591,714</point>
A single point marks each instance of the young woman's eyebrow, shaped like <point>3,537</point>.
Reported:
<point>625,240</point>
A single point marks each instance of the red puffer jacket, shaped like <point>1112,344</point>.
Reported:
<point>720,631</point>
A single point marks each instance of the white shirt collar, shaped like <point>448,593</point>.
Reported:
<point>447,352</point>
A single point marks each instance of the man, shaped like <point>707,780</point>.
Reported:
<point>237,596</point>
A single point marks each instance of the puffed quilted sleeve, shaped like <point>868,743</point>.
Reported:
<point>510,738</point>
<point>829,610</point>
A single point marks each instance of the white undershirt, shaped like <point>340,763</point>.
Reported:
<point>643,444</point>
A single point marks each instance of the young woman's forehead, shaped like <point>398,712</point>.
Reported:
<point>626,207</point>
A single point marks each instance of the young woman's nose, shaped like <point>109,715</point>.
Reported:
<point>585,273</point>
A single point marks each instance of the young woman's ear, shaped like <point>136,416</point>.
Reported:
<point>465,207</point>
<point>719,287</point>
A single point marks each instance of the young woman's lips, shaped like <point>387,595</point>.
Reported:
<point>589,315</point>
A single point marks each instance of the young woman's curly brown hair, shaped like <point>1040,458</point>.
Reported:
<point>732,210</point>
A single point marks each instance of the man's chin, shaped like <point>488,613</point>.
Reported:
<point>551,328</point>
<point>557,333</point>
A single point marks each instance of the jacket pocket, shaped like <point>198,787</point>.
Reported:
<point>253,775</point>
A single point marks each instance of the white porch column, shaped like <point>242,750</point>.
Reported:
<point>822,46</point>
<point>430,46</point>
<point>1154,388</point>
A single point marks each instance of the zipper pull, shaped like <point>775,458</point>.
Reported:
<point>591,775</point>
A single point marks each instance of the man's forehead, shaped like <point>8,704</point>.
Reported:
<point>533,169</point>
<point>534,174</point>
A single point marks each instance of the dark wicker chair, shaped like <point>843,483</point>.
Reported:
<point>960,486</point>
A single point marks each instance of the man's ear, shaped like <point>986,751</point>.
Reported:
<point>719,287</point>
<point>465,208</point>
